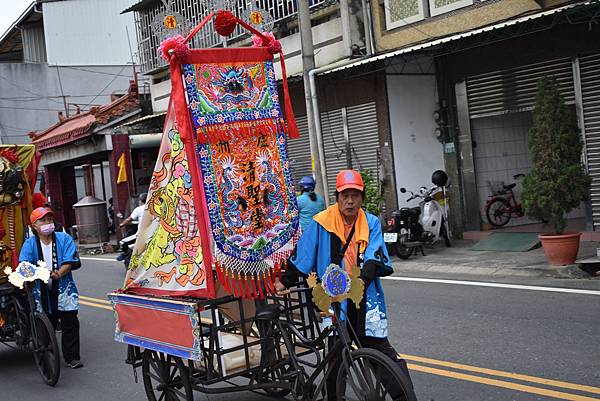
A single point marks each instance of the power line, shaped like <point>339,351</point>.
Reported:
<point>96,72</point>
<point>33,99</point>
<point>107,85</point>
<point>21,87</point>
<point>13,128</point>
<point>28,108</point>
<point>62,92</point>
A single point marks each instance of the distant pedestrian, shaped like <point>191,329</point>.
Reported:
<point>136,215</point>
<point>309,202</point>
<point>59,298</point>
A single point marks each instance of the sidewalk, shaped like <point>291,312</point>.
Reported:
<point>460,260</point>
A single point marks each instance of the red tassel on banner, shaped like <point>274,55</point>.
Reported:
<point>234,290</point>
<point>220,274</point>
<point>270,286</point>
<point>240,283</point>
<point>289,112</point>
<point>260,283</point>
<point>252,286</point>
<point>247,287</point>
<point>243,287</point>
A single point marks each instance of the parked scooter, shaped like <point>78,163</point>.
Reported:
<point>411,228</point>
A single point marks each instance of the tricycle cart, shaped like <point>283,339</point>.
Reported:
<point>198,309</point>
<point>283,351</point>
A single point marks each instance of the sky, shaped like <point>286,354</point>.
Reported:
<point>10,11</point>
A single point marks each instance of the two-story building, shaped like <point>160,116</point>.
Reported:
<point>63,67</point>
<point>460,79</point>
<point>406,87</point>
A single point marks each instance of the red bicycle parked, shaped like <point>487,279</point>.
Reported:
<point>502,204</point>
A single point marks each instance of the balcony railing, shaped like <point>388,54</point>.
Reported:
<point>193,11</point>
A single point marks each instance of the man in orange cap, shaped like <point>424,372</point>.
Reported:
<point>346,236</point>
<point>58,298</point>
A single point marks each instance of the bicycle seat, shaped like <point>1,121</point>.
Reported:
<point>268,312</point>
<point>7,289</point>
<point>509,187</point>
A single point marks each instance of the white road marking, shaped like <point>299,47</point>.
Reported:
<point>497,285</point>
<point>100,259</point>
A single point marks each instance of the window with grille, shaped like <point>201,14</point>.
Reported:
<point>437,7</point>
<point>402,12</point>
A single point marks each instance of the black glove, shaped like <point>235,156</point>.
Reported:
<point>368,272</point>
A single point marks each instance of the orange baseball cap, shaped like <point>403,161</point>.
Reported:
<point>39,213</point>
<point>347,179</point>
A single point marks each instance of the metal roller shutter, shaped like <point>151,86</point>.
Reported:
<point>514,89</point>
<point>590,91</point>
<point>364,137</point>
<point>299,151</point>
<point>363,141</point>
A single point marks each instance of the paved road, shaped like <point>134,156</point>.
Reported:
<point>463,343</point>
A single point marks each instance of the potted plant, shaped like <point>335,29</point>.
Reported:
<point>557,182</point>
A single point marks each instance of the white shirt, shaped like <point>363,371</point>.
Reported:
<point>47,253</point>
<point>137,213</point>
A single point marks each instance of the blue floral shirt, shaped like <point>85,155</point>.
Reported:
<point>66,252</point>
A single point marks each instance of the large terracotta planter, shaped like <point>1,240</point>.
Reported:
<point>561,250</point>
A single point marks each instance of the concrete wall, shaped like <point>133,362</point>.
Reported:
<point>417,153</point>
<point>30,94</point>
<point>88,32</point>
<point>460,20</point>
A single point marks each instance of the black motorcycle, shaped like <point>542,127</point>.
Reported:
<point>408,231</point>
<point>405,234</point>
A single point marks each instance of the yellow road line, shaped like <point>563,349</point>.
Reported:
<point>95,305</point>
<point>103,304</point>
<point>98,300</point>
<point>500,373</point>
<point>500,383</point>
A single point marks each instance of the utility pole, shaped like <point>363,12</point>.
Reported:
<point>308,64</point>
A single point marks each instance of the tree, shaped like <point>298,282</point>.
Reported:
<point>556,183</point>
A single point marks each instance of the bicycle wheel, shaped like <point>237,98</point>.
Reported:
<point>498,212</point>
<point>165,377</point>
<point>372,376</point>
<point>45,349</point>
<point>278,374</point>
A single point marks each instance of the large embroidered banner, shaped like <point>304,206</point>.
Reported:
<point>248,186</point>
<point>222,197</point>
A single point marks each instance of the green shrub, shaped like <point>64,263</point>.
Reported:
<point>373,196</point>
<point>556,183</point>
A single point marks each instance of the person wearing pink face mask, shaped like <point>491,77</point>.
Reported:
<point>59,298</point>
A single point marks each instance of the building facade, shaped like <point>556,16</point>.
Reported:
<point>406,87</point>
